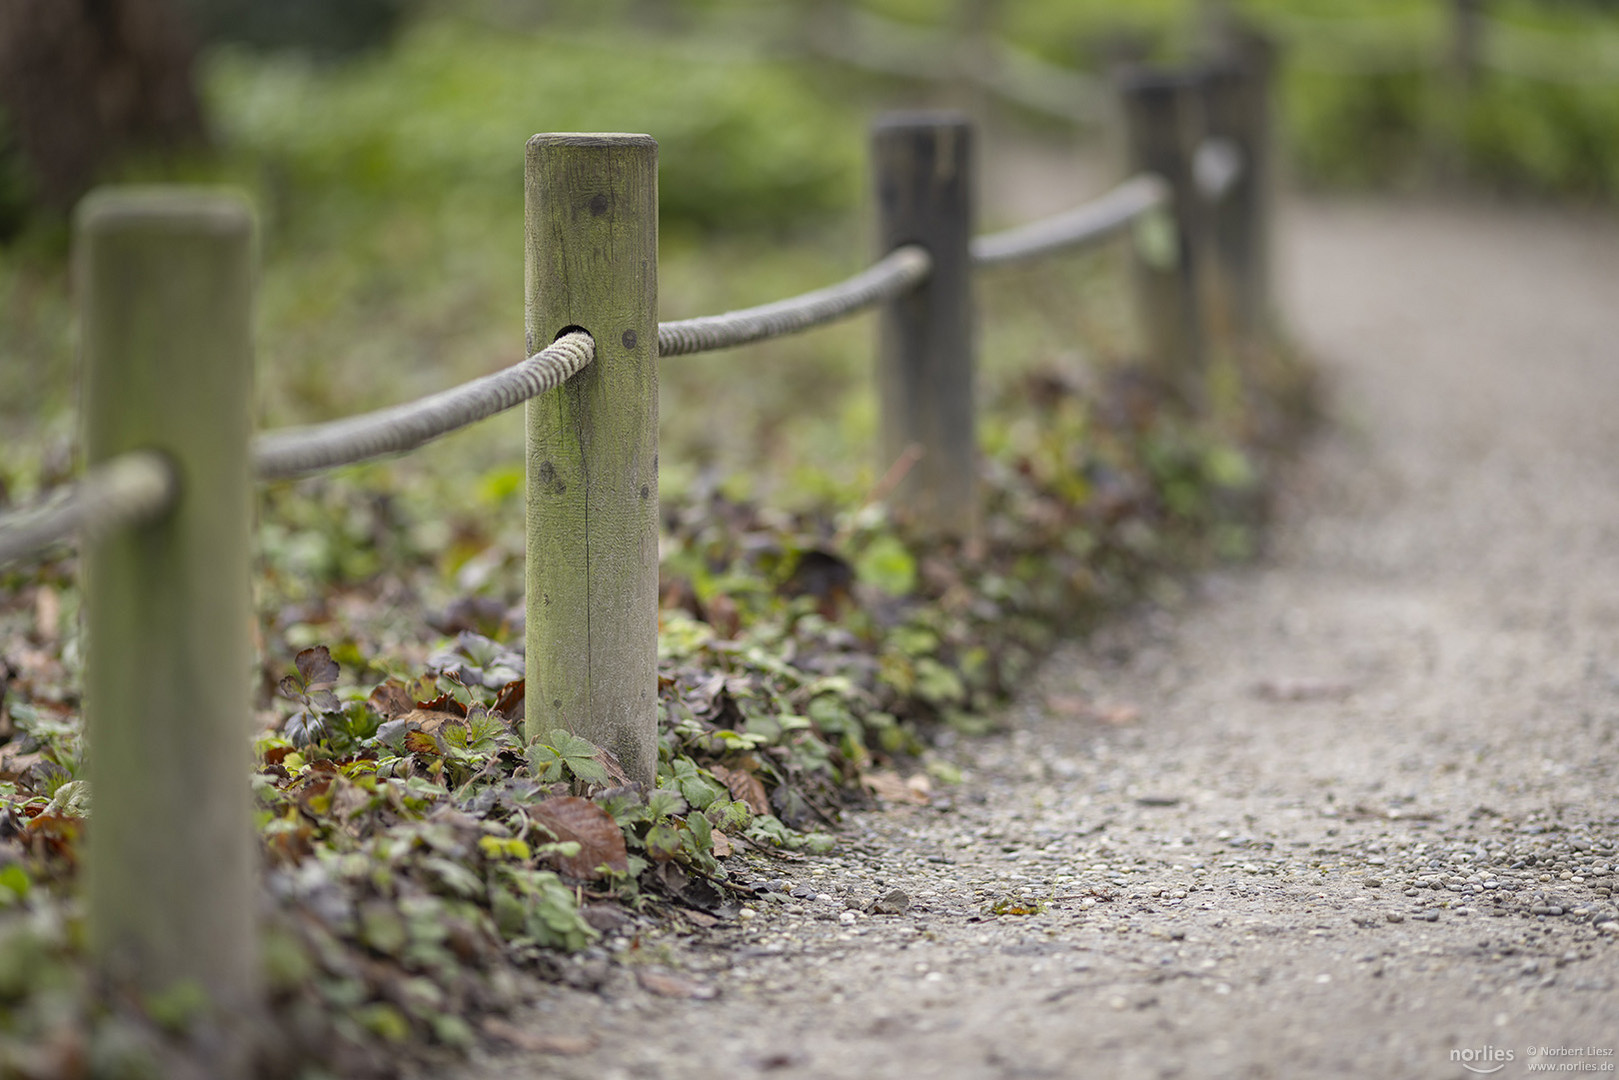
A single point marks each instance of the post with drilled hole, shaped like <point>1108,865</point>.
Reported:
<point>923,164</point>
<point>591,263</point>
<point>1163,126</point>
<point>1238,112</point>
<point>165,280</point>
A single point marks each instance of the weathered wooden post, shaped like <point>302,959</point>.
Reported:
<point>166,280</point>
<point>923,166</point>
<point>1238,110</point>
<point>1163,119</point>
<point>592,263</point>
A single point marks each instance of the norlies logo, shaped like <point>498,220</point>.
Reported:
<point>1484,1060</point>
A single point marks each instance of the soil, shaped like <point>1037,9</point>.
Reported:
<point>1349,811</point>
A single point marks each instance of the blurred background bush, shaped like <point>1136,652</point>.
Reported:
<point>382,142</point>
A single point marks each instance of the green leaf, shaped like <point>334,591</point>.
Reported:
<point>663,842</point>
<point>701,832</point>
<point>665,802</point>
<point>14,884</point>
<point>887,564</point>
<point>576,754</point>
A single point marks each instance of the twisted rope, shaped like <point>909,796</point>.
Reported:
<point>130,488</point>
<point>895,273</point>
<point>295,451</point>
<point>1082,226</point>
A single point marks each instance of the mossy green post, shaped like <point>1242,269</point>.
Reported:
<point>592,263</point>
<point>922,166</point>
<point>165,281</point>
<point>1164,122</point>
<point>1238,99</point>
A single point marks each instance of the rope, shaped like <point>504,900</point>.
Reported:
<point>1080,227</point>
<point>895,273</point>
<point>294,451</point>
<point>130,488</point>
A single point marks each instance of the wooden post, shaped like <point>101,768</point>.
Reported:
<point>1459,82</point>
<point>592,579</point>
<point>923,164</point>
<point>1163,125</point>
<point>1466,36</point>
<point>165,279</point>
<point>1238,104</point>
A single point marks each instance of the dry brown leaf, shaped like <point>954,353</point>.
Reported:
<point>391,699</point>
<point>509,702</point>
<point>744,788</point>
<point>430,721</point>
<point>668,984</point>
<point>1301,690</point>
<point>536,1042</point>
<point>722,845</point>
<point>13,764</point>
<point>1074,707</point>
<point>47,614</point>
<point>891,787</point>
<point>569,817</point>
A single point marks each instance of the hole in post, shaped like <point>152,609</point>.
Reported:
<point>566,330</point>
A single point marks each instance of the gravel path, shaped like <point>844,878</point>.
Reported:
<point>1349,812</point>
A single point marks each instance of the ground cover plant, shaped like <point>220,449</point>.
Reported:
<point>424,852</point>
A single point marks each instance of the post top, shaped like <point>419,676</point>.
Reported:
<point>905,119</point>
<point>1145,81</point>
<point>601,139</point>
<point>169,207</point>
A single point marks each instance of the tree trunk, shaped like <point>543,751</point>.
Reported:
<point>83,82</point>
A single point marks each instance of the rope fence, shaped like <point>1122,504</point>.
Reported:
<point>125,491</point>
<point>290,452</point>
<point>1080,227</point>
<point>166,311</point>
<point>896,273</point>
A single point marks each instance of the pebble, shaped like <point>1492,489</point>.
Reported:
<point>893,902</point>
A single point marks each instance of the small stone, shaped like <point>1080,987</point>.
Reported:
<point>893,902</point>
<point>1374,883</point>
<point>747,914</point>
<point>847,918</point>
<point>1395,916</point>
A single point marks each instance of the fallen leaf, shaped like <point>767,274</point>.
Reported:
<point>430,721</point>
<point>891,787</point>
<point>722,845</point>
<point>47,614</point>
<point>537,1042</point>
<point>420,742</point>
<point>317,667</point>
<point>509,702</point>
<point>391,699</point>
<point>443,703</point>
<point>668,984</point>
<point>14,764</point>
<point>1076,707</point>
<point>1305,689</point>
<point>600,840</point>
<point>744,787</point>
